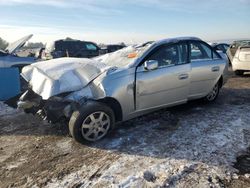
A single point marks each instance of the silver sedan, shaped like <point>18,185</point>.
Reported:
<point>92,95</point>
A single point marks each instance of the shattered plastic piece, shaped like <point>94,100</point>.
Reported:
<point>149,176</point>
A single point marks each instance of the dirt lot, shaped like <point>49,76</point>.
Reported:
<point>193,145</point>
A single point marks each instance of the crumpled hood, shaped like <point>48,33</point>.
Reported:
<point>56,76</point>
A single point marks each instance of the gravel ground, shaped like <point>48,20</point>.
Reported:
<point>192,145</point>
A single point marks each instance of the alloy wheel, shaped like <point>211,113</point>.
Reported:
<point>95,126</point>
<point>213,94</point>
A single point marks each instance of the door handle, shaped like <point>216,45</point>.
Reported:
<point>183,76</point>
<point>215,69</point>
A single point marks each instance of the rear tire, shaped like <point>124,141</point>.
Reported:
<point>91,122</point>
<point>239,72</point>
<point>212,96</point>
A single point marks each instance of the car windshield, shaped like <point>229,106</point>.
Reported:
<point>125,56</point>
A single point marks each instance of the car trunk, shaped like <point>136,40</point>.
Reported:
<point>244,54</point>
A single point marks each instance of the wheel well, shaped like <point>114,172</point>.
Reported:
<point>221,82</point>
<point>115,106</point>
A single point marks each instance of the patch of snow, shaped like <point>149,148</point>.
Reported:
<point>6,110</point>
<point>193,150</point>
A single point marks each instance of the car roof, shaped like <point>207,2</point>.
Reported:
<point>82,41</point>
<point>176,39</point>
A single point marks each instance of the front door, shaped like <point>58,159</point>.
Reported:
<point>169,83</point>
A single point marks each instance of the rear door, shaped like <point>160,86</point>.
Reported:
<point>206,68</point>
<point>169,83</point>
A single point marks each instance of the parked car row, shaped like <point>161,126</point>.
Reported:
<point>238,54</point>
<point>76,48</point>
<point>57,49</point>
<point>111,48</point>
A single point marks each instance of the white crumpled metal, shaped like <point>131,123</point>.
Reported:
<point>49,78</point>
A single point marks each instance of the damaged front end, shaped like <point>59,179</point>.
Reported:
<point>58,87</point>
<point>54,109</point>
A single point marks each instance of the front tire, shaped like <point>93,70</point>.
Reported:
<point>91,122</point>
<point>212,96</point>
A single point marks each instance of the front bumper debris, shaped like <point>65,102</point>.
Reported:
<point>54,109</point>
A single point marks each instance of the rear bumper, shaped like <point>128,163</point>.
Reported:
<point>240,65</point>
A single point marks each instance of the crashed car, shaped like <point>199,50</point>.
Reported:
<point>92,95</point>
<point>241,60</point>
<point>8,58</point>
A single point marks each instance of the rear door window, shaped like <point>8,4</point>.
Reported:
<point>199,51</point>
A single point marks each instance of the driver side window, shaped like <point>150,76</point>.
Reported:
<point>170,55</point>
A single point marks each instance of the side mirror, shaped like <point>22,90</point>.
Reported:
<point>150,65</point>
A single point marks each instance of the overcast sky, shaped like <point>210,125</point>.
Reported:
<point>131,21</point>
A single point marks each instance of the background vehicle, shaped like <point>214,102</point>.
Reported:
<point>70,48</point>
<point>8,58</point>
<point>241,60</point>
<point>234,46</point>
<point>94,94</point>
<point>220,47</point>
<point>111,48</point>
